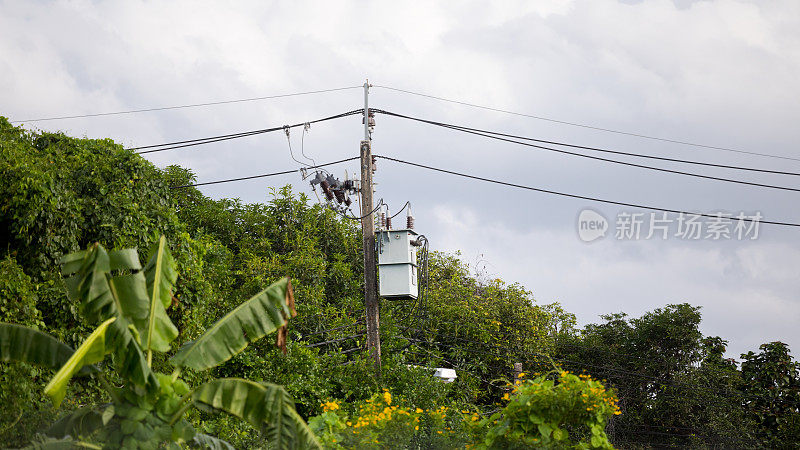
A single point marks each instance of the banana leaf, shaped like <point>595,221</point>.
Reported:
<point>161,275</point>
<point>23,344</point>
<point>91,351</point>
<point>264,313</point>
<point>81,422</point>
<point>101,297</point>
<point>263,405</point>
<point>211,443</point>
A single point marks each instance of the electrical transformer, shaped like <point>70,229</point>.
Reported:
<point>397,264</point>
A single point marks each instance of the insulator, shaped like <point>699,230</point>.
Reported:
<point>339,195</point>
<point>410,222</point>
<point>318,178</point>
<point>388,223</point>
<point>333,182</point>
<point>383,220</point>
<point>326,189</point>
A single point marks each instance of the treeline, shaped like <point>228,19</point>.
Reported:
<point>59,194</point>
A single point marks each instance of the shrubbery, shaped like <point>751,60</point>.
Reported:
<point>557,409</point>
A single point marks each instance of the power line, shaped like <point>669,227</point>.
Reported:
<point>285,172</point>
<point>581,197</point>
<point>583,147</point>
<point>591,127</point>
<point>344,214</point>
<point>406,205</point>
<point>225,137</point>
<point>194,105</point>
<point>613,161</point>
<point>205,140</point>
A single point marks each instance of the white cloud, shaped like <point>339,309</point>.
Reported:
<point>739,301</point>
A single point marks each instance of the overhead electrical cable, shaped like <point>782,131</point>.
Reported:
<point>209,141</point>
<point>285,172</point>
<point>591,127</point>
<point>286,129</point>
<point>306,127</point>
<point>406,205</point>
<point>613,161</point>
<point>201,140</point>
<point>194,105</point>
<point>583,147</point>
<point>581,197</point>
<point>225,137</point>
<point>380,203</point>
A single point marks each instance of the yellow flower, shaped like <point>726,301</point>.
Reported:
<point>418,411</point>
<point>387,397</point>
<point>416,427</point>
<point>505,396</point>
<point>330,406</point>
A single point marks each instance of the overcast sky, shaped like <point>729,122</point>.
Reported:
<point>719,73</point>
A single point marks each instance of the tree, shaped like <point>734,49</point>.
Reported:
<point>675,387</point>
<point>127,303</point>
<point>478,327</point>
<point>772,381</point>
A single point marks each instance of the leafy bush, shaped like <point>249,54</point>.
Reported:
<point>379,422</point>
<point>20,393</point>
<point>554,410</point>
<point>559,411</point>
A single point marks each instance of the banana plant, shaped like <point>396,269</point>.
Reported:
<point>128,305</point>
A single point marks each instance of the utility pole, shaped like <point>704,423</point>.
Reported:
<point>368,227</point>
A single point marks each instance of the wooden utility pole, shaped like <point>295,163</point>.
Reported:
<point>368,228</point>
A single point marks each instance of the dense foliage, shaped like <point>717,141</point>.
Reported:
<point>60,194</point>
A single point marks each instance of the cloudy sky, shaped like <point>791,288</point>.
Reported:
<point>719,73</point>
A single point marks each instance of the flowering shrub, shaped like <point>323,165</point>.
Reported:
<point>554,410</point>
<point>380,422</point>
<point>568,411</point>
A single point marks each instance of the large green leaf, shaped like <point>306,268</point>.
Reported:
<point>102,297</point>
<point>262,405</point>
<point>81,422</point>
<point>23,344</point>
<point>91,285</point>
<point>131,295</point>
<point>128,356</point>
<point>211,442</point>
<point>124,259</point>
<point>250,321</point>
<point>161,276</point>
<point>161,273</point>
<point>41,442</point>
<point>91,351</point>
<point>88,284</point>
